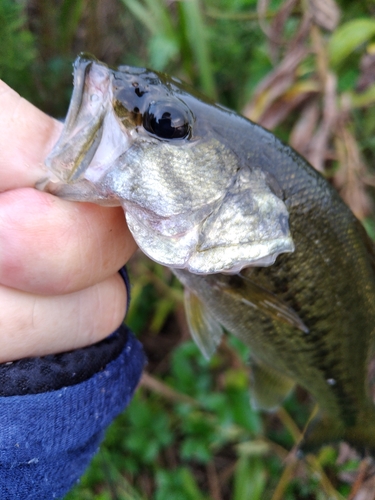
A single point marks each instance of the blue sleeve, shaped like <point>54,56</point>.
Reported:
<point>54,411</point>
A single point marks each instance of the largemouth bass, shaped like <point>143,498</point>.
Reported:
<point>263,244</point>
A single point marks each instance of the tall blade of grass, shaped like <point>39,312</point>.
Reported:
<point>17,43</point>
<point>117,485</point>
<point>154,15</point>
<point>142,14</point>
<point>164,308</point>
<point>163,45</point>
<point>161,16</point>
<point>70,15</point>
<point>196,31</point>
<point>249,479</point>
<point>178,484</point>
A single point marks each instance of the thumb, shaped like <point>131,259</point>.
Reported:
<point>27,135</point>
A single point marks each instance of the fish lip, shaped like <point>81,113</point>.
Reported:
<point>83,129</point>
<point>80,67</point>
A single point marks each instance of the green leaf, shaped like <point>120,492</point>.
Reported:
<point>348,37</point>
<point>369,224</point>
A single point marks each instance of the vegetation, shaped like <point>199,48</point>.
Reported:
<point>304,68</point>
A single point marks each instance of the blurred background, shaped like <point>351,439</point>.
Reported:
<point>302,68</point>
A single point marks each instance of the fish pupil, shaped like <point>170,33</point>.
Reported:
<point>166,122</point>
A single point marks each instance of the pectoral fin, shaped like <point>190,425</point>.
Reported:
<point>257,297</point>
<point>204,328</point>
<point>268,387</point>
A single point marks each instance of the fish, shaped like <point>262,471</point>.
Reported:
<point>265,247</point>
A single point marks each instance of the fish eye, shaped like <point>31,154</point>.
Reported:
<point>168,120</point>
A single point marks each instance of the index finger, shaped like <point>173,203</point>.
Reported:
<point>27,135</point>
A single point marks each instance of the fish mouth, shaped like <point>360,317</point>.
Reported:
<point>83,128</point>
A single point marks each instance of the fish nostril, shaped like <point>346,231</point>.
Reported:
<point>139,92</point>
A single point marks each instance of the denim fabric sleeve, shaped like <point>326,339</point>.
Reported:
<point>54,411</point>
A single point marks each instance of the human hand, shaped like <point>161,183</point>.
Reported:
<point>59,286</point>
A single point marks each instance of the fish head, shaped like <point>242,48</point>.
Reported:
<point>143,140</point>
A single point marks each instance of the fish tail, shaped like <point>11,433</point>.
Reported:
<point>323,430</point>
